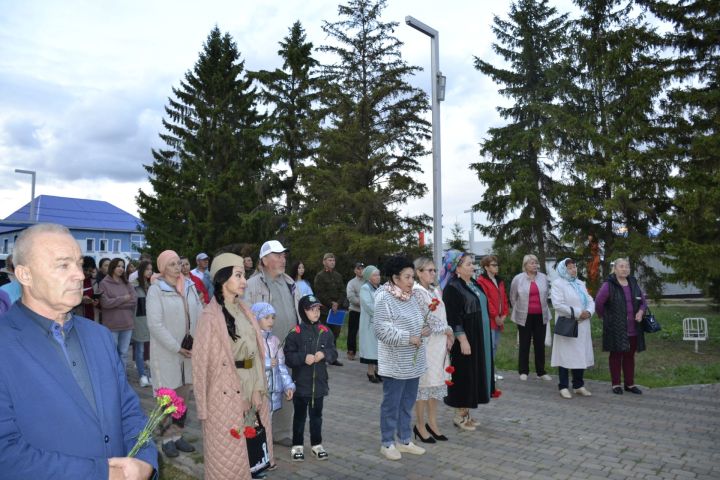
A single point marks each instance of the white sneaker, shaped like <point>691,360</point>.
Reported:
<point>498,377</point>
<point>523,377</point>
<point>582,391</point>
<point>391,453</point>
<point>297,454</point>
<point>144,382</point>
<point>545,377</point>
<point>565,393</point>
<point>410,448</point>
<point>319,452</point>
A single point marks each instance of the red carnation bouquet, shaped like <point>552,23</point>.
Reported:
<point>167,402</point>
<point>249,428</point>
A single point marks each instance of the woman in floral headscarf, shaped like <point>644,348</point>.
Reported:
<point>569,296</point>
<point>471,355</point>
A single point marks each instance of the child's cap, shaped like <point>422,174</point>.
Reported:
<point>262,310</point>
<point>309,301</point>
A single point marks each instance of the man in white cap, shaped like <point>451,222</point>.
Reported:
<point>272,285</point>
<point>201,271</point>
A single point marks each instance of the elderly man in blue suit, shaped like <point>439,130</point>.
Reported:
<point>66,409</point>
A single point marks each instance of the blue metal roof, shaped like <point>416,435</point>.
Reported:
<point>75,213</point>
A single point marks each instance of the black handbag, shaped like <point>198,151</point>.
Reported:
<point>187,342</point>
<point>567,326</point>
<point>257,448</point>
<point>649,323</point>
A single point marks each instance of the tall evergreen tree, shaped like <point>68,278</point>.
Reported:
<point>293,122</point>
<point>369,146</point>
<point>520,197</point>
<point>615,186</point>
<point>691,140</point>
<point>209,182</point>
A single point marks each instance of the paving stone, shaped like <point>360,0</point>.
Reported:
<point>530,432</point>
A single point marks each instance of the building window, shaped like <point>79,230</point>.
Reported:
<point>137,242</point>
<point>89,244</point>
<point>116,246</point>
<point>5,245</point>
<point>103,245</point>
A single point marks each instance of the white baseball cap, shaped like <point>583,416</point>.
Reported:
<point>271,246</point>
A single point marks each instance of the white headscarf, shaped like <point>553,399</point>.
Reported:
<point>573,281</point>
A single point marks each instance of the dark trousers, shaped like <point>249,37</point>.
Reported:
<point>626,362</point>
<point>335,329</point>
<point>533,331</point>
<point>303,405</point>
<point>353,326</point>
<point>577,377</point>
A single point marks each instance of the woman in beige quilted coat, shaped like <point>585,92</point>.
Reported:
<point>228,372</point>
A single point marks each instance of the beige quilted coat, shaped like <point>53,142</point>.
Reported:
<point>219,399</point>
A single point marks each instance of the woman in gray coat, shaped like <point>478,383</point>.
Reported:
<point>366,331</point>
<point>529,293</point>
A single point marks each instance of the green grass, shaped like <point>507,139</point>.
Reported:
<point>668,360</point>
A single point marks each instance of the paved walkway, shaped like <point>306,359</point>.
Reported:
<point>530,432</point>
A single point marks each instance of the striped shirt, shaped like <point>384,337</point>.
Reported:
<point>395,321</point>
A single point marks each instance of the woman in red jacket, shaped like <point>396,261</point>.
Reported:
<point>494,289</point>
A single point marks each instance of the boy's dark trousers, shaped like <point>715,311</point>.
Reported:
<point>302,406</point>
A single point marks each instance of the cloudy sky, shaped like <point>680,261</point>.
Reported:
<point>83,84</point>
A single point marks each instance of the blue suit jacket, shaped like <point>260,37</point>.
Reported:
<point>47,427</point>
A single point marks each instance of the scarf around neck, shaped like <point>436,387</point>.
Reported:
<point>396,292</point>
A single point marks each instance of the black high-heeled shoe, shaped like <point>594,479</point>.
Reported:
<point>372,378</point>
<point>442,438</point>
<point>423,440</point>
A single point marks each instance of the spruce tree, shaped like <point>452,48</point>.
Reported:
<point>293,124</point>
<point>615,187</point>
<point>209,181</point>
<point>369,147</point>
<point>517,168</point>
<point>691,140</point>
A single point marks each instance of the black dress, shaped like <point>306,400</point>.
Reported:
<point>474,376</point>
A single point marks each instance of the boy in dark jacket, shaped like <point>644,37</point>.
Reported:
<point>309,347</point>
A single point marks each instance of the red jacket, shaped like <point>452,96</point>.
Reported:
<point>497,298</point>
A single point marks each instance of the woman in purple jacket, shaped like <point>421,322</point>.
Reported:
<point>621,304</point>
<point>118,301</point>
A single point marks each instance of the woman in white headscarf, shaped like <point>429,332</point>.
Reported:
<point>569,354</point>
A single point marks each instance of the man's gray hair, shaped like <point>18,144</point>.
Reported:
<point>24,242</point>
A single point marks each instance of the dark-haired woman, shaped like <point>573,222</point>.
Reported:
<point>172,306</point>
<point>398,323</point>
<point>297,272</point>
<point>140,333</point>
<point>228,369</point>
<point>117,298</point>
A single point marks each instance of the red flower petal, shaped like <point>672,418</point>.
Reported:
<point>449,383</point>
<point>250,432</point>
<point>235,433</point>
<point>496,394</point>
<point>297,328</point>
<point>450,369</point>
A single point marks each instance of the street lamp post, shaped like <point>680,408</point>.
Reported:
<point>472,229</point>
<point>32,192</point>
<point>437,91</point>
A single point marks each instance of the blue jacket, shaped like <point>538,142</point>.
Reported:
<point>47,427</point>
